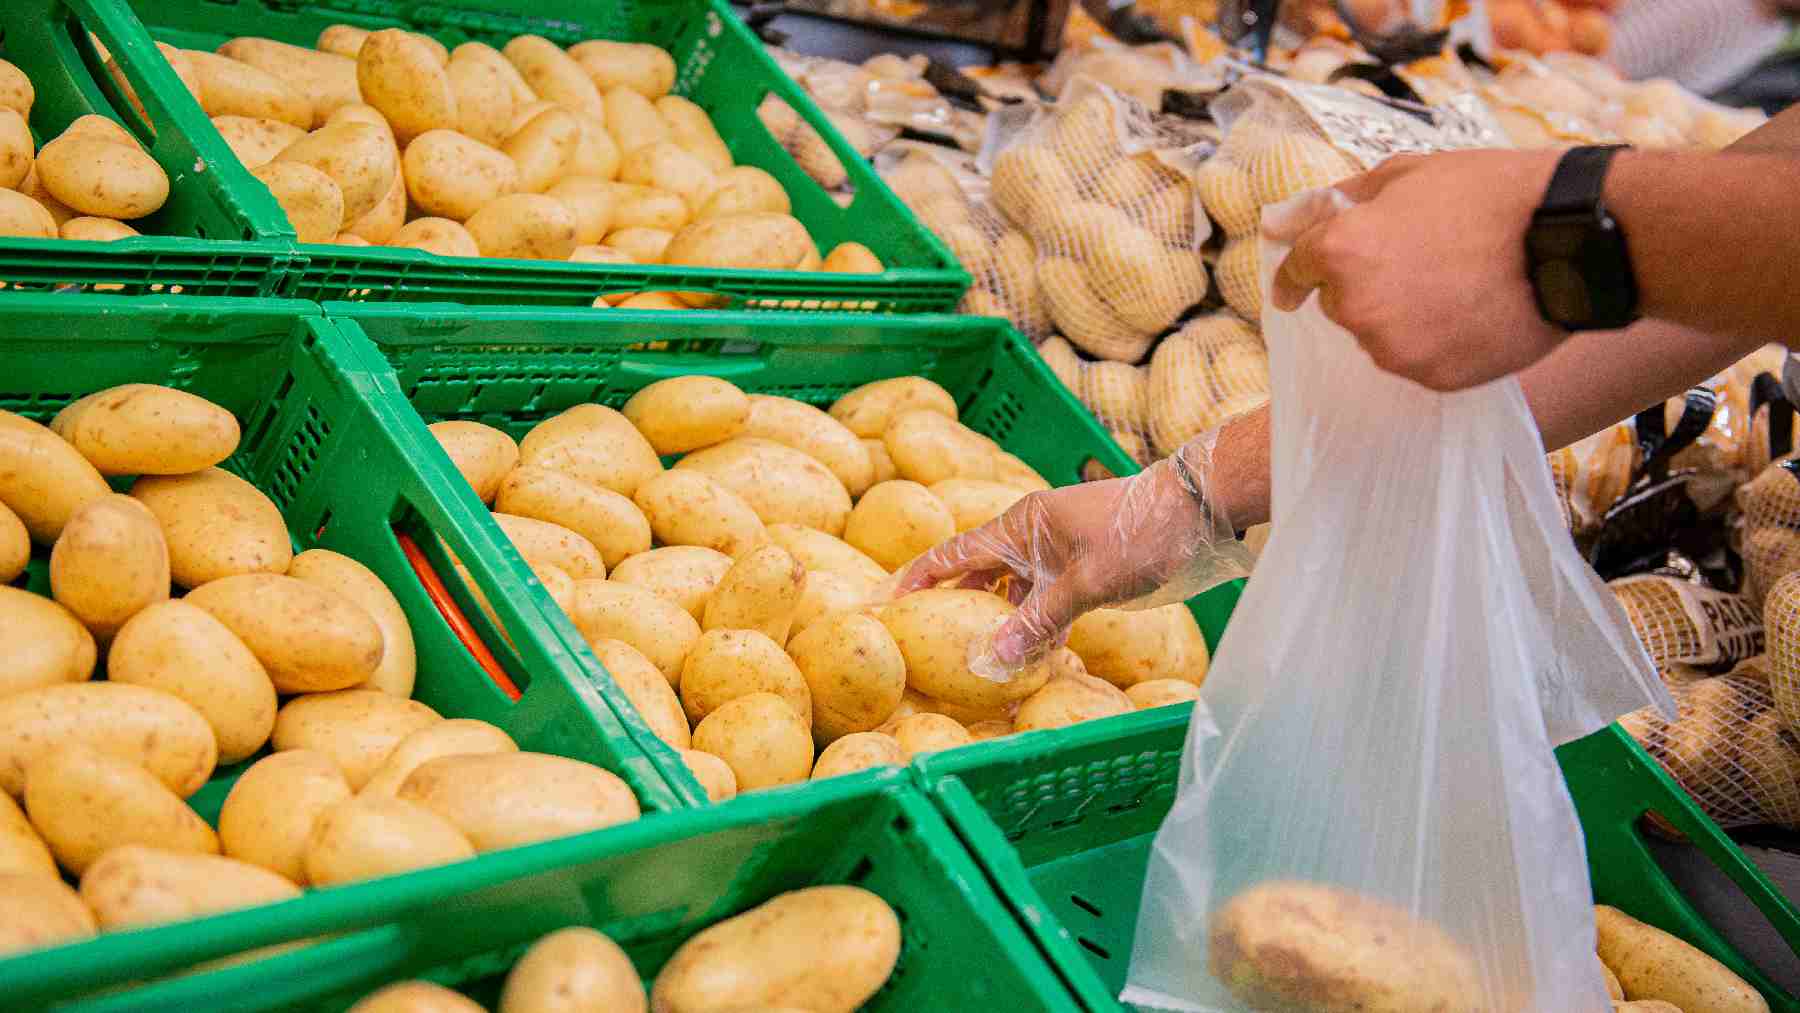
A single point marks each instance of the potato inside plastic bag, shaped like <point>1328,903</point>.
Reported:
<point>1380,822</point>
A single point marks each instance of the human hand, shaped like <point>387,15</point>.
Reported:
<point>1135,542</point>
<point>1427,270</point>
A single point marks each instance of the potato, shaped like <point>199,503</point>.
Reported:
<point>370,836</point>
<point>817,435</point>
<point>554,76</point>
<point>23,216</point>
<point>1129,647</point>
<point>84,803</point>
<point>852,258</point>
<point>649,692</point>
<point>641,207</point>
<point>180,649</point>
<point>570,970</point>
<point>919,734</point>
<point>858,751</point>
<point>632,120</point>
<point>357,728</point>
<point>268,817</point>
<point>683,574</point>
<point>527,112</point>
<point>928,448</point>
<point>359,157</point>
<point>596,153</point>
<point>938,631</point>
<point>825,592</point>
<point>611,522</point>
<point>760,592</point>
<point>554,544</point>
<point>46,646</point>
<point>416,997</point>
<point>818,551</point>
<point>643,68</point>
<point>824,948</point>
<point>436,235</point>
<point>521,93</point>
<point>1614,990</point>
<point>363,113</point>
<point>400,74</point>
<point>1066,701</point>
<point>96,230</point>
<point>138,885</point>
<point>714,774</point>
<point>144,429</point>
<point>667,166</point>
<point>231,88</point>
<point>1009,470</point>
<point>485,105</point>
<point>452,176</point>
<point>692,130</point>
<point>868,410</point>
<point>653,301</point>
<point>503,800</point>
<point>311,200</point>
<point>455,737</point>
<point>727,664</point>
<point>686,413</point>
<point>594,254</point>
<point>973,502</point>
<point>1652,964</point>
<point>15,551</point>
<point>110,563</point>
<point>759,241</point>
<point>854,673</point>
<point>688,508</point>
<point>382,224</point>
<point>782,485</point>
<point>344,576</point>
<point>993,728</point>
<point>662,630</point>
<point>544,148</point>
<point>17,149</point>
<point>760,738</point>
<point>151,729</point>
<point>43,480</point>
<point>896,522</point>
<point>308,638</point>
<point>525,226</point>
<point>642,246</point>
<point>329,79</point>
<point>40,910</point>
<point>17,93</point>
<point>591,200</point>
<point>1161,693</point>
<point>743,190</point>
<point>21,849</point>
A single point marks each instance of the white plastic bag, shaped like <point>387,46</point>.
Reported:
<point>1381,822</point>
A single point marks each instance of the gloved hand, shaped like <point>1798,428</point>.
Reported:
<point>1135,543</point>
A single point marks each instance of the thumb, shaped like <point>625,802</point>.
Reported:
<point>1039,626</point>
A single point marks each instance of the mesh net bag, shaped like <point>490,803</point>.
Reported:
<point>1728,749</point>
<point>1684,623</point>
<point>1770,504</point>
<point>1105,194</point>
<point>1591,474</point>
<point>1215,367</point>
<point>1781,614</point>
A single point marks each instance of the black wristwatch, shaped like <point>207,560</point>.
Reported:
<point>1575,253</point>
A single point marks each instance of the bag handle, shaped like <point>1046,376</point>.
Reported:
<point>1766,389</point>
<point>1660,446</point>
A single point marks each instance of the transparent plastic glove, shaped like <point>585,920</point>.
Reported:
<point>1135,543</point>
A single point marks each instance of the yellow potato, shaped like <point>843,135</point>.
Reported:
<point>503,800</point>
<point>632,120</point>
<point>144,429</point>
<point>592,201</point>
<point>642,246</point>
<point>311,200</point>
<point>525,226</point>
<point>973,502</point>
<point>818,551</point>
<point>1652,964</point>
<point>544,148</point>
<point>40,911</point>
<point>923,733</point>
<point>824,593</point>
<point>15,550</point>
<point>1066,701</point>
<point>370,836</point>
<point>642,207</point>
<point>593,444</point>
<point>898,521</point>
<point>1129,647</point>
<point>454,737</point>
<point>343,40</point>
<point>939,631</point>
<point>667,166</point>
<point>611,522</point>
<point>485,105</point>
<point>269,814</point>
<point>868,410</point>
<point>687,413</point>
<point>759,592</point>
<point>858,751</point>
<point>758,241</point>
<point>23,216</point>
<point>21,849</point>
<point>46,644</point>
<point>135,885</point>
<point>1161,693</point>
<point>852,258</point>
<point>1614,990</point>
<point>84,803</point>
<point>649,692</point>
<point>727,664</point>
<point>357,728</point>
<point>554,75</point>
<point>683,574</point>
<point>359,157</point>
<point>928,448</point>
<point>1009,470</point>
<point>110,564</point>
<point>344,576</point>
<point>596,153</point>
<point>452,176</point>
<point>781,484</point>
<point>662,630</point>
<point>96,230</point>
<point>145,727</point>
<point>17,149</point>
<point>382,224</point>
<point>881,463</point>
<point>854,673</point>
<point>555,544</point>
<point>17,93</point>
<point>714,774</point>
<point>688,508</point>
<point>416,997</point>
<point>812,432</point>
<point>181,650</point>
<point>573,969</point>
<point>760,738</point>
<point>691,129</point>
<point>362,113</point>
<point>436,235</point>
<point>824,948</point>
<point>527,112</point>
<point>329,79</point>
<point>743,190</point>
<point>399,74</point>
<point>310,639</point>
<point>653,301</point>
<point>981,731</point>
<point>231,88</point>
<point>521,93</point>
<point>643,68</point>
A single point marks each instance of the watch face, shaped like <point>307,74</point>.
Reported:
<point>1580,270</point>
<point>1562,292</point>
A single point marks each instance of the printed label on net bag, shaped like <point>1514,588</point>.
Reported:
<point>1686,623</point>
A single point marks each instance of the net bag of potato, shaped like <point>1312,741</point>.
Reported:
<point>1729,748</point>
<point>1380,822</point>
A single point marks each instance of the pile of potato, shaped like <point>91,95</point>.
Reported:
<point>740,598</point>
<point>84,184</point>
<point>823,948</point>
<point>1650,971</point>
<point>536,152</point>
<point>308,655</point>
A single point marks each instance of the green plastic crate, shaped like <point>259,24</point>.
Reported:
<point>1073,864</point>
<point>325,439</point>
<point>200,242</point>
<point>649,886</point>
<point>720,65</point>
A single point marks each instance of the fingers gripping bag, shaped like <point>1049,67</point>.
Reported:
<point>1380,822</point>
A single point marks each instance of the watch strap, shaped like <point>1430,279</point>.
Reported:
<point>1579,181</point>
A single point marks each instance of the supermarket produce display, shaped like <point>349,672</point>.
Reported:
<point>463,470</point>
